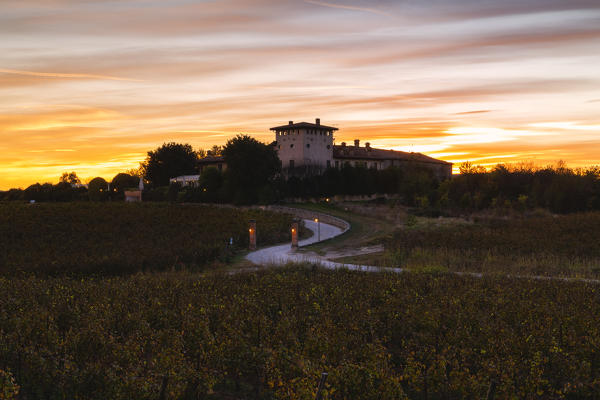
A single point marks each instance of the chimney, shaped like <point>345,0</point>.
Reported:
<point>368,146</point>
<point>291,122</point>
<point>318,121</point>
<point>356,142</point>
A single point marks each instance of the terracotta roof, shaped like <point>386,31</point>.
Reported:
<point>364,153</point>
<point>211,159</point>
<point>300,125</point>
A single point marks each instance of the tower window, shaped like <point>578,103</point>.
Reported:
<point>307,145</point>
<point>291,145</point>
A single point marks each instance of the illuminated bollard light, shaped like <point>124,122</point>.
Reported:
<point>295,234</point>
<point>252,234</point>
<point>318,229</point>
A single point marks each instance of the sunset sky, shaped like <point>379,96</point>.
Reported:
<point>91,85</point>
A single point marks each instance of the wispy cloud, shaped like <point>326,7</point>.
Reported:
<point>348,7</point>
<point>111,80</point>
<point>567,125</point>
<point>66,75</point>
<point>473,112</point>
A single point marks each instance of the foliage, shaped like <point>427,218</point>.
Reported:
<point>209,189</point>
<point>8,388</point>
<point>168,161</point>
<point>251,165</point>
<point>62,192</point>
<point>137,172</point>
<point>543,244</point>
<point>411,182</point>
<point>270,334</point>
<point>123,181</point>
<point>12,195</point>
<point>557,188</point>
<point>251,178</point>
<point>121,238</point>
<point>213,151</point>
<point>98,189</point>
<point>70,178</point>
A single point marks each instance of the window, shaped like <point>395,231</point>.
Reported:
<point>291,145</point>
<point>328,147</point>
<point>220,166</point>
<point>307,145</point>
<point>328,163</point>
<point>291,164</point>
<point>337,164</point>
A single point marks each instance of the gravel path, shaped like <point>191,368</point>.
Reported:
<point>282,254</point>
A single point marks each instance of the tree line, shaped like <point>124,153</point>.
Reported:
<point>253,175</point>
<point>521,187</point>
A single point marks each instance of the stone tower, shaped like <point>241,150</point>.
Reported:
<point>305,145</point>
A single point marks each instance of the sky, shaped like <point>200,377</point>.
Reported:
<point>91,85</point>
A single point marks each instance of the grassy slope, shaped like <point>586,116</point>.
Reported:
<point>365,230</point>
<point>563,246</point>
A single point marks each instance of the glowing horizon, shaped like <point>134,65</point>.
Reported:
<point>91,86</point>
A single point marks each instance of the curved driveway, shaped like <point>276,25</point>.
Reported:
<point>282,254</point>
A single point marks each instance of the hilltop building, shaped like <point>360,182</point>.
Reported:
<point>305,147</point>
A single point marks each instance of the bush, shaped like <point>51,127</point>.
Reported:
<point>98,189</point>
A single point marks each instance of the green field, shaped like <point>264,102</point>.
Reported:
<point>539,245</point>
<point>270,335</point>
<point>117,238</point>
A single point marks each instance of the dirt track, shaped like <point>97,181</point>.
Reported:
<point>282,254</point>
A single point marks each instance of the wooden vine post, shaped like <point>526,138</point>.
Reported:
<point>252,234</point>
<point>295,234</point>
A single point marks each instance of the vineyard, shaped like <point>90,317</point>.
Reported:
<point>270,334</point>
<point>124,301</point>
<point>117,238</point>
<point>563,246</point>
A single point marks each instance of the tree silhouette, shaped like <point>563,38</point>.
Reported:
<point>70,178</point>
<point>123,181</point>
<point>168,161</point>
<point>251,166</point>
<point>98,189</point>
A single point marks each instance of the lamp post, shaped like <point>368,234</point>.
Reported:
<point>318,229</point>
<point>252,234</point>
<point>295,234</point>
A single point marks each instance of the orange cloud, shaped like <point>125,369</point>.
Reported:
<point>65,75</point>
<point>461,80</point>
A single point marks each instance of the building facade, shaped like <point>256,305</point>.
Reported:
<point>305,147</point>
<point>381,159</point>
